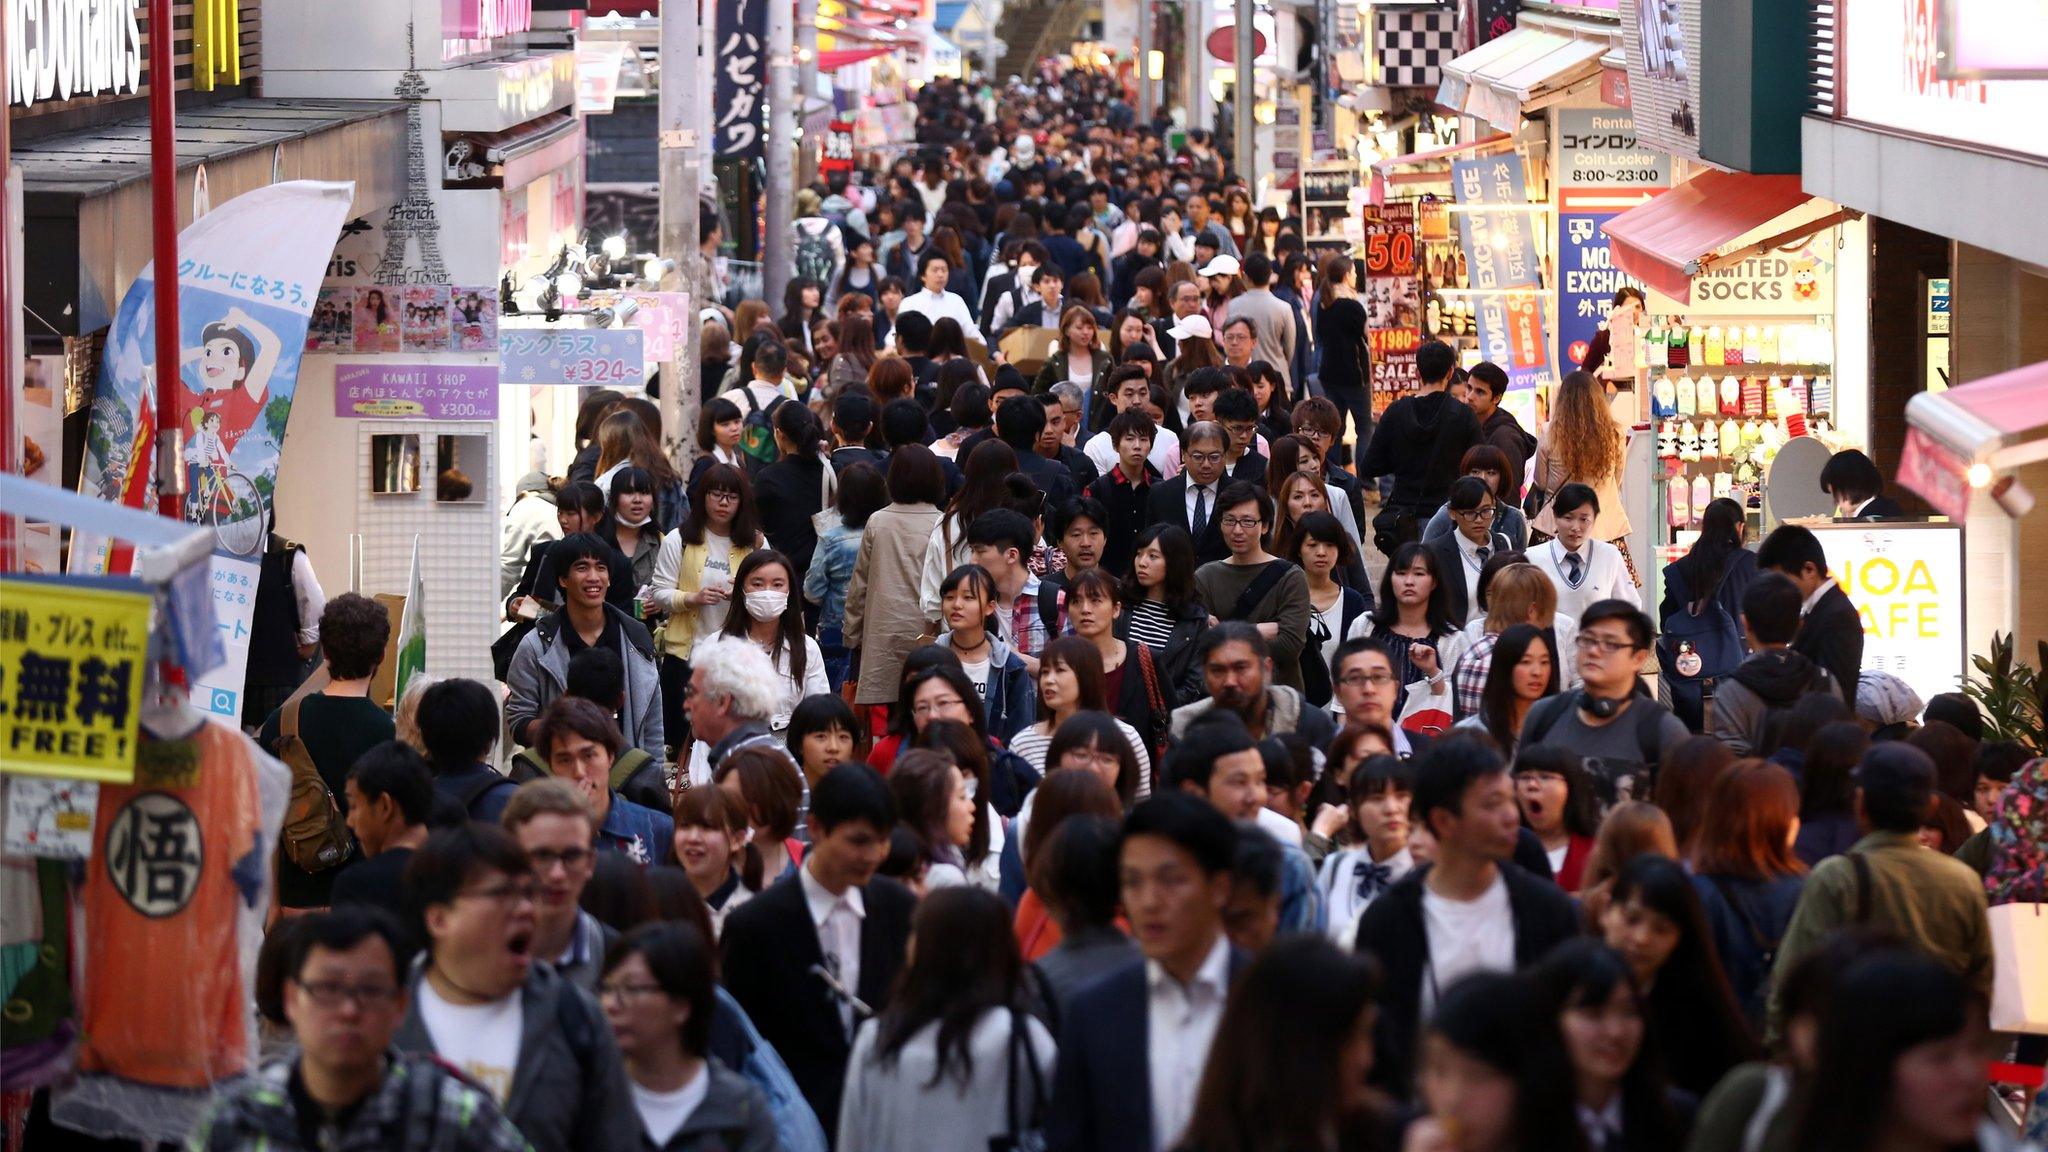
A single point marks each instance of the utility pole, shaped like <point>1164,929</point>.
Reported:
<point>1241,104</point>
<point>781,185</point>
<point>681,179</point>
<point>1144,61</point>
<point>1200,108</point>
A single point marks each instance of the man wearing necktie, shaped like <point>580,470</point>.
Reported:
<point>1189,499</point>
<point>1465,551</point>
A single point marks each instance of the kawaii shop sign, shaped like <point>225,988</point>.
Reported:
<point>1906,581</point>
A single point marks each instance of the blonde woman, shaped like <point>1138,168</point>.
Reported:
<point>1517,592</point>
<point>1583,445</point>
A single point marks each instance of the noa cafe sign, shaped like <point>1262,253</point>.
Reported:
<point>61,49</point>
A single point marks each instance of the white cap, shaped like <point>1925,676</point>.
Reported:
<point>1194,324</point>
<point>1220,266</point>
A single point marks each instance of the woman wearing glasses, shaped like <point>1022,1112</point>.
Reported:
<point>693,578</point>
<point>658,992</point>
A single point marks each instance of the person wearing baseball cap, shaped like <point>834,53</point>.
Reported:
<point>1888,881</point>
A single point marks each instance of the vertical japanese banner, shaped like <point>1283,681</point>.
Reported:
<point>1602,172</point>
<point>412,628</point>
<point>248,275</point>
<point>1500,251</point>
<point>838,155</point>
<point>739,86</point>
<point>1393,301</point>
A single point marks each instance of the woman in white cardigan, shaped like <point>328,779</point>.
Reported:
<point>953,1056</point>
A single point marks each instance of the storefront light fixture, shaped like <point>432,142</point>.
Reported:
<point>655,269</point>
<point>1979,475</point>
<point>615,247</point>
<point>1155,64</point>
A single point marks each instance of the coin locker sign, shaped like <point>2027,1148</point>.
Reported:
<point>72,661</point>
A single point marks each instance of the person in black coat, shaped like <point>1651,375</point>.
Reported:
<point>1169,501</point>
<point>1019,420</point>
<point>1125,491</point>
<point>1830,630</point>
<point>1858,488</point>
<point>1102,1098</point>
<point>1504,917</point>
<point>791,490</point>
<point>1471,535</point>
<point>779,961</point>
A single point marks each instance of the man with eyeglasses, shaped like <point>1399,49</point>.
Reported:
<point>1255,586</point>
<point>1366,690</point>
<point>555,829</point>
<point>346,1086</point>
<point>1466,549</point>
<point>1245,458</point>
<point>582,745</point>
<point>1609,719</point>
<point>536,1042</point>
<point>1188,501</point>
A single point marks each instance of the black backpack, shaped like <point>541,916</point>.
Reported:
<point>1647,716</point>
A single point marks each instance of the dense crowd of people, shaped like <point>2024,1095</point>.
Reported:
<point>997,738</point>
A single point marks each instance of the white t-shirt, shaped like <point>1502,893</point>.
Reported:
<point>1557,856</point>
<point>977,671</point>
<point>480,1039</point>
<point>1333,625</point>
<point>1466,936</point>
<point>717,574</point>
<point>662,1114</point>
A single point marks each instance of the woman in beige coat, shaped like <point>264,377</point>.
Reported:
<point>883,620</point>
<point>1583,445</point>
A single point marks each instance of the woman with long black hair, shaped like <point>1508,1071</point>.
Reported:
<point>985,489</point>
<point>1523,668</point>
<point>1412,620</point>
<point>801,299</point>
<point>1702,606</point>
<point>773,618</point>
<point>1289,1063</point>
<point>1618,1083</point>
<point>1654,919</point>
<point>1160,609</point>
<point>1345,360</point>
<point>1901,1064</point>
<point>955,1054</point>
<point>1492,1073</point>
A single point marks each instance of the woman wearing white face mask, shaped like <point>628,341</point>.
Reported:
<point>774,619</point>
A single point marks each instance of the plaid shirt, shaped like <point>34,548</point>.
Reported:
<point>421,1106</point>
<point>1468,680</point>
<point>1027,633</point>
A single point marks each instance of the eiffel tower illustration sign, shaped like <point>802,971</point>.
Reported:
<point>412,221</point>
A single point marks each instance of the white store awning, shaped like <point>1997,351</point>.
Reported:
<point>1509,75</point>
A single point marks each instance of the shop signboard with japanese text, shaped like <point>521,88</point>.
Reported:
<point>248,279</point>
<point>1906,581</point>
<point>1500,254</point>
<point>1892,69</point>
<point>739,87</point>
<point>838,156</point>
<point>603,357</point>
<point>1393,300</point>
<point>1603,170</point>
<point>72,662</point>
<point>416,391</point>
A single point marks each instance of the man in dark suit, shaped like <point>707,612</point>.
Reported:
<point>1830,630</point>
<point>1189,499</point>
<point>1019,422</point>
<point>1107,1094</point>
<point>1858,488</point>
<point>816,952</point>
<point>1470,911</point>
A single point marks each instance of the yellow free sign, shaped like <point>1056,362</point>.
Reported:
<point>72,660</point>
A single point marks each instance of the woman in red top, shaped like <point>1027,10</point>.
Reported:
<point>1558,805</point>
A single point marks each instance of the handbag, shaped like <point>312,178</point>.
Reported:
<point>1026,1134</point>
<point>1155,702</point>
<point>2019,984</point>
<point>826,518</point>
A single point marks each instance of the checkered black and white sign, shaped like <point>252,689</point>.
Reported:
<point>1413,45</point>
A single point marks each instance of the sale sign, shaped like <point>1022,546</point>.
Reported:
<point>1393,301</point>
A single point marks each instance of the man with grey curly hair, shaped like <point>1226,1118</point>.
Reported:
<point>732,693</point>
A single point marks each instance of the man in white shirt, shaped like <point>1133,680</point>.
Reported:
<point>816,953</point>
<point>933,302</point>
<point>535,1041</point>
<point>1470,911</point>
<point>1135,1041</point>
<point>1130,388</point>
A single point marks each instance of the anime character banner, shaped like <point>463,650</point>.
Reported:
<point>249,276</point>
